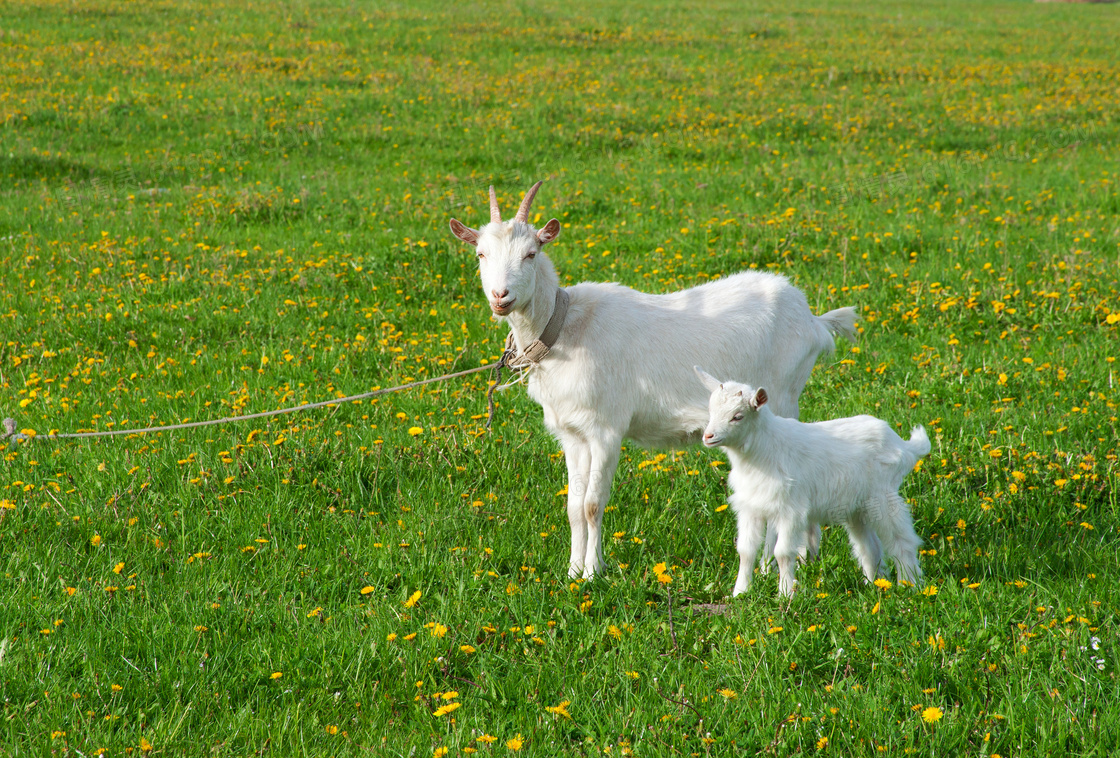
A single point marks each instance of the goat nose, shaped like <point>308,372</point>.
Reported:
<point>708,435</point>
<point>499,295</point>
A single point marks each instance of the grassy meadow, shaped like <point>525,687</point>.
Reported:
<point>209,209</point>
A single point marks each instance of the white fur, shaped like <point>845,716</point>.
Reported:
<point>790,475</point>
<point>622,366</point>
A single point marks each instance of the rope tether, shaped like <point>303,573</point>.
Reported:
<point>10,424</point>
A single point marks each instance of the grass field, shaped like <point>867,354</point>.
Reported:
<point>212,209</point>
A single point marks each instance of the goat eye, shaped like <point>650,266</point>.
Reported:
<point>530,255</point>
<point>737,417</point>
<point>481,257</point>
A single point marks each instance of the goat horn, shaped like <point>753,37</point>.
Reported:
<point>523,211</point>
<point>495,214</point>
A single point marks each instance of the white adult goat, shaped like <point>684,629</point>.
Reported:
<point>791,476</point>
<point>621,365</point>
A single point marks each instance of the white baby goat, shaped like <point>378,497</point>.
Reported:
<point>790,475</point>
<point>621,366</point>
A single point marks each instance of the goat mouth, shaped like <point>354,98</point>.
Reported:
<point>502,309</point>
<point>712,442</point>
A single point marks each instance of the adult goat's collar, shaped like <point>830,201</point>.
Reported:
<point>536,351</point>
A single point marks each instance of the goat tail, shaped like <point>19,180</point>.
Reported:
<point>919,443</point>
<point>841,322</point>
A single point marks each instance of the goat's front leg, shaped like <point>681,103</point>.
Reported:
<point>752,534</point>
<point>791,542</point>
<point>605,449</point>
<point>577,456</point>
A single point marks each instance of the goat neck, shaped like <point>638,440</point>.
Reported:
<point>528,321</point>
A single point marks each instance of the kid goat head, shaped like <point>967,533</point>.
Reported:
<point>730,409</point>
<point>507,252</point>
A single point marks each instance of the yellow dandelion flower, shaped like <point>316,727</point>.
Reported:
<point>468,649</point>
<point>930,591</point>
<point>95,540</point>
<point>487,739</point>
<point>413,599</point>
<point>883,584</point>
<point>516,743</point>
<point>118,568</point>
<point>145,746</point>
<point>664,579</point>
<point>659,569</point>
<point>932,715</point>
<point>443,710</point>
<point>561,709</point>
<point>276,675</point>
<point>332,729</point>
<point>822,743</point>
<point>367,589</point>
<point>729,694</point>
<point>439,630</point>
<point>614,631</point>
<point>439,752</point>
<point>415,430</point>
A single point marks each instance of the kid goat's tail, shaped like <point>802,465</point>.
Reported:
<point>919,442</point>
<point>841,323</point>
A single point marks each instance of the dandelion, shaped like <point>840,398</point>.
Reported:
<point>822,743</point>
<point>728,694</point>
<point>468,649</point>
<point>145,746</point>
<point>932,715</point>
<point>367,589</point>
<point>332,729</point>
<point>883,584</point>
<point>561,709</point>
<point>516,743</point>
<point>614,631</point>
<point>95,540</point>
<point>414,431</point>
<point>487,739</point>
<point>413,599</point>
<point>930,591</point>
<point>439,752</point>
<point>443,710</point>
<point>276,675</point>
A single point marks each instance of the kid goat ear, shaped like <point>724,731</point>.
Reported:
<point>760,398</point>
<point>710,382</point>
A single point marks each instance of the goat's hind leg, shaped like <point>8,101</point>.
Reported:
<point>866,548</point>
<point>900,541</point>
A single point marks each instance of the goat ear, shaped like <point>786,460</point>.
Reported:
<point>760,398</point>
<point>549,232</point>
<point>463,232</point>
<point>710,382</point>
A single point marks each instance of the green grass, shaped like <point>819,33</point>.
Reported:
<point>210,210</point>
